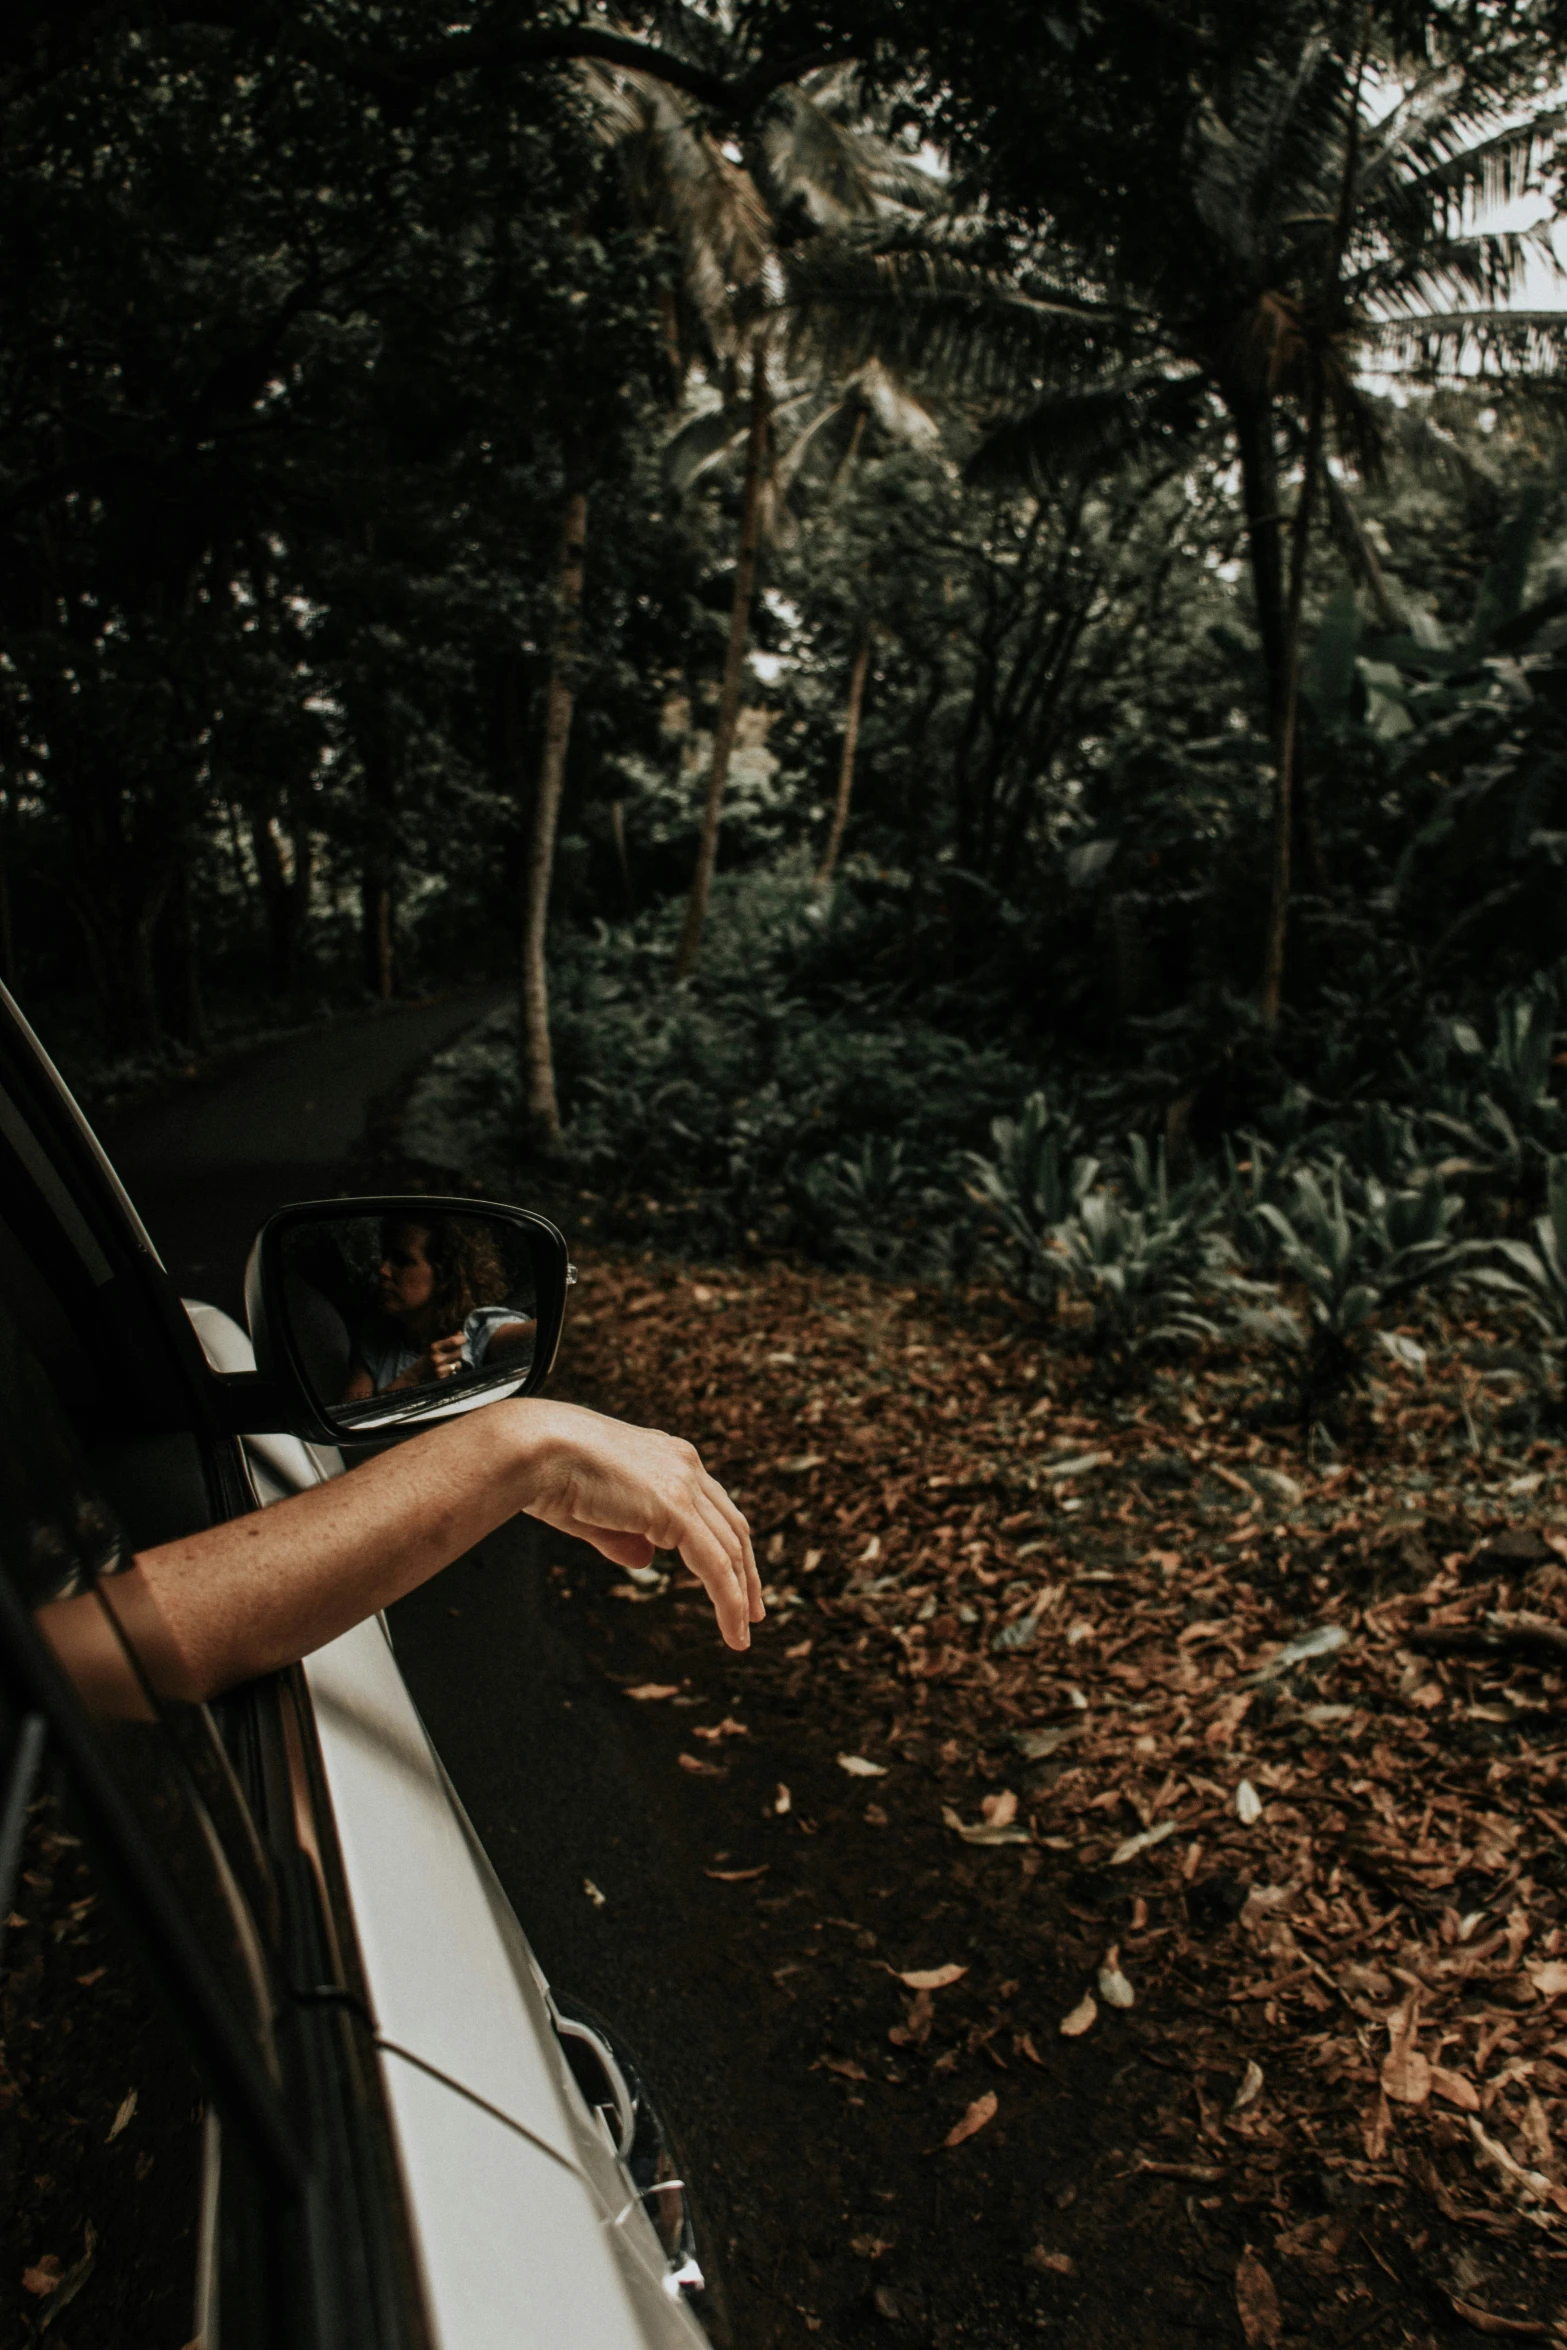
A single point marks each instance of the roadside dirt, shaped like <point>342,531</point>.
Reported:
<point>1244,2014</point>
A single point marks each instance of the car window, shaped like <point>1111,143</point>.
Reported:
<point>65,1557</point>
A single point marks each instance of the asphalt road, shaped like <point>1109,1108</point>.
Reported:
<point>207,1168</point>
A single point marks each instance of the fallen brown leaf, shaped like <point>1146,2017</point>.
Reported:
<point>43,2276</point>
<point>646,1690</point>
<point>1057,2264</point>
<point>1376,2129</point>
<point>933,1978</point>
<point>1081,2019</point>
<point>1257,2302</point>
<point>737,1876</point>
<point>1521,2329</point>
<point>982,2110</point>
<point>844,2066</point>
<point>701,1769</point>
<point>1406,2074</point>
<point>1456,2088</point>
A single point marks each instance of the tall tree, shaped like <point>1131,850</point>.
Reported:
<point>851,743</point>
<point>815,160</point>
<point>1277,240</point>
<point>560,701</point>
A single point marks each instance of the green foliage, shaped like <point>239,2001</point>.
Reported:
<point>757,1098</point>
<point>1144,1270</point>
<point>1355,1250</point>
<point>1533,1274</point>
<point>1035,1180</point>
<point>1139,1254</point>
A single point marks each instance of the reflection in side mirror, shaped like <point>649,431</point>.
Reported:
<point>386,1313</point>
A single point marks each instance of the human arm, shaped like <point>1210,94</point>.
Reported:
<point>263,1590</point>
<point>441,1359</point>
<point>513,1336</point>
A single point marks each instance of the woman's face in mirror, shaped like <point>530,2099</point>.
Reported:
<point>406,1276</point>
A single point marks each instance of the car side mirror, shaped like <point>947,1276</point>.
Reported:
<point>376,1316</point>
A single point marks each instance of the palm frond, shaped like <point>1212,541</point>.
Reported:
<point>1465,343</point>
<point>1449,173</point>
<point>932,314</point>
<point>703,443</point>
<point>1268,159</point>
<point>680,182</point>
<point>839,172</point>
<point>1483,268</point>
<point>1088,428</point>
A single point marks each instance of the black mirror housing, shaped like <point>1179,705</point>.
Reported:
<point>375,1316</point>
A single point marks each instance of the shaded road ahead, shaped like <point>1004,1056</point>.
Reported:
<point>210,1166</point>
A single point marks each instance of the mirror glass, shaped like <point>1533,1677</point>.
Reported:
<point>387,1314</point>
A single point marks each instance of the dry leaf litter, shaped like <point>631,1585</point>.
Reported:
<point>1185,1753</point>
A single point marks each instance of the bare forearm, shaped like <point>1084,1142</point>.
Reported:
<point>264,1590</point>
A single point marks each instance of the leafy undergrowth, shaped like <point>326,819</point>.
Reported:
<point>1154,1848</point>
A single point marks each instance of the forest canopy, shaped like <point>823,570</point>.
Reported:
<point>1024,550</point>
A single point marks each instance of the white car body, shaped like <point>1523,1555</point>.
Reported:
<point>529,2230</point>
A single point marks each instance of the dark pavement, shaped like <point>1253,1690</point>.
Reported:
<point>207,1168</point>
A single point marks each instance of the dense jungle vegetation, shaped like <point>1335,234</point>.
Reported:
<point>979,604</point>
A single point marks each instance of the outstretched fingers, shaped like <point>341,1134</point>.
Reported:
<point>735,1521</point>
<point>707,1547</point>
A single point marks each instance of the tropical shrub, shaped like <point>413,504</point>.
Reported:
<point>1354,1250</point>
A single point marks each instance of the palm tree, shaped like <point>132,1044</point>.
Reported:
<point>1327,208</point>
<point>806,437</point>
<point>812,165</point>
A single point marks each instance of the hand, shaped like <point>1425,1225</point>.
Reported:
<point>633,1491</point>
<point>441,1359</point>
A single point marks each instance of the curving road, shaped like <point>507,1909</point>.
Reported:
<point>209,1167</point>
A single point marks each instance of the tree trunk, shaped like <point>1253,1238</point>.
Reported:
<point>375,915</point>
<point>851,741</point>
<point>1272,988</point>
<point>734,667</point>
<point>1284,814</point>
<point>300,884</point>
<point>277,899</point>
<point>1253,415</point>
<point>560,701</point>
<point>617,833</point>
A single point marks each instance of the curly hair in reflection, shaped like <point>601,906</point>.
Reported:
<point>462,1255</point>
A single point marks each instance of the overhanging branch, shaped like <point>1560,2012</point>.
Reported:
<point>40,42</point>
